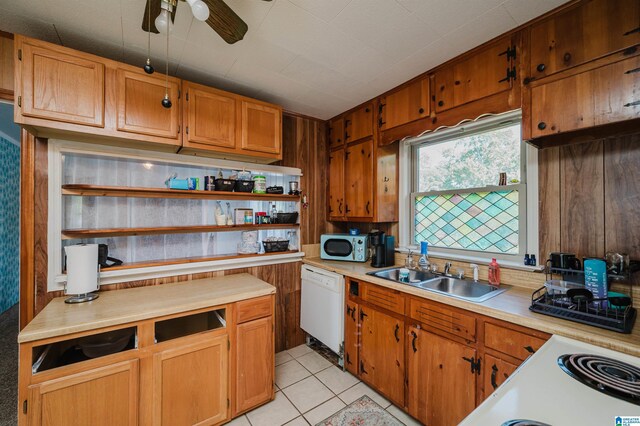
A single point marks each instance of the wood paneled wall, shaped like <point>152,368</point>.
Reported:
<point>304,145</point>
<point>590,197</point>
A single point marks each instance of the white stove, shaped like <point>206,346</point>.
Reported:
<point>543,391</point>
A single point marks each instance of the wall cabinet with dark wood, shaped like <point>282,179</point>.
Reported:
<point>600,94</point>
<point>336,132</point>
<point>580,34</point>
<point>358,124</point>
<point>483,73</point>
<point>405,105</point>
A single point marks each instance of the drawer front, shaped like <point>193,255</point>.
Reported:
<point>442,318</point>
<point>511,342</point>
<point>247,310</point>
<point>385,298</point>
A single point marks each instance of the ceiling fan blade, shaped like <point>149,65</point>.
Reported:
<point>225,22</point>
<point>155,11</point>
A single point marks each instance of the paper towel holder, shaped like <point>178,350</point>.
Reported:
<point>83,282</point>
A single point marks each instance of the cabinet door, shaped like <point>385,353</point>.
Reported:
<point>495,373</point>
<point>481,74</point>
<point>209,116</point>
<point>102,396</point>
<point>359,124</point>
<point>191,383</point>
<point>254,363</point>
<point>382,353</point>
<point>6,68</point>
<point>336,184</point>
<point>261,128</point>
<point>405,105</point>
<point>359,180</point>
<point>336,133</point>
<point>592,30</point>
<point>441,385</point>
<point>140,107</point>
<point>600,96</point>
<point>62,85</point>
<point>351,337</point>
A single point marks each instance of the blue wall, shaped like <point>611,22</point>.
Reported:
<point>9,208</point>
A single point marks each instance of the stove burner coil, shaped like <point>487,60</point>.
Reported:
<point>523,422</point>
<point>614,378</point>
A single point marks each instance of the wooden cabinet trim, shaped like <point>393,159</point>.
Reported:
<point>391,300</point>
<point>444,318</point>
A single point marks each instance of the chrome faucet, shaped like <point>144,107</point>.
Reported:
<point>447,267</point>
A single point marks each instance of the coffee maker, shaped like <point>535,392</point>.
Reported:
<point>382,249</point>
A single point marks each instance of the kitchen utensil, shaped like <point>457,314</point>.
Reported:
<point>617,263</point>
<point>294,188</point>
<point>618,300</point>
<point>564,261</point>
<point>580,297</point>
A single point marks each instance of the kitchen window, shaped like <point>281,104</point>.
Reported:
<point>456,201</point>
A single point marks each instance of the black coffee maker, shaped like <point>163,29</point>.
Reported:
<point>382,249</point>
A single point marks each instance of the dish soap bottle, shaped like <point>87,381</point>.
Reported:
<point>423,263</point>
<point>494,273</point>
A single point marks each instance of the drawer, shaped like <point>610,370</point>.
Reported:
<point>385,298</point>
<point>442,318</point>
<point>511,342</point>
<point>247,310</point>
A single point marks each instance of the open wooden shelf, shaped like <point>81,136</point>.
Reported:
<point>183,260</point>
<point>139,192</point>
<point>74,234</point>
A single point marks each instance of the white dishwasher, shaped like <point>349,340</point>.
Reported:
<point>322,306</point>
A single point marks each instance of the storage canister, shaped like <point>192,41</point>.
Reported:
<point>260,184</point>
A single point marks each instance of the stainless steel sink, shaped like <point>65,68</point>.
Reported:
<point>450,286</point>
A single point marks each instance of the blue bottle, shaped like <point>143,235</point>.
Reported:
<point>423,263</point>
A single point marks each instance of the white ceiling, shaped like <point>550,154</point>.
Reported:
<point>314,57</point>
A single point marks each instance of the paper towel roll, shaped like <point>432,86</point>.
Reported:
<point>82,268</point>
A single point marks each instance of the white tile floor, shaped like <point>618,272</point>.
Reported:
<point>308,390</point>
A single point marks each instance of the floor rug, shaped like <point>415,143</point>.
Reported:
<point>361,412</point>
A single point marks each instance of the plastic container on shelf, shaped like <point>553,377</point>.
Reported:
<point>260,184</point>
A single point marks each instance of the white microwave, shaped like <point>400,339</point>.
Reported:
<point>352,248</point>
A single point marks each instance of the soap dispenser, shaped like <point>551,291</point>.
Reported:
<point>494,273</point>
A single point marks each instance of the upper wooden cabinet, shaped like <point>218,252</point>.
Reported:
<point>598,96</point>
<point>359,163</point>
<point>139,105</point>
<point>405,105</point>
<point>336,132</point>
<point>336,184</point>
<point>6,67</point>
<point>261,127</point>
<point>59,84</point>
<point>65,93</point>
<point>359,123</point>
<point>209,117</point>
<point>486,72</point>
<point>103,396</point>
<point>591,30</point>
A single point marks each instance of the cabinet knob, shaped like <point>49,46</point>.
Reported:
<point>440,103</point>
<point>541,67</point>
<point>457,82</point>
<point>542,125</point>
<point>421,111</point>
<point>367,110</point>
<point>567,57</point>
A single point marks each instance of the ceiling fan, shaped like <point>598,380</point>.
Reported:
<point>216,13</point>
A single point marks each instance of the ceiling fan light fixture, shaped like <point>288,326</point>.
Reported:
<point>163,21</point>
<point>199,9</point>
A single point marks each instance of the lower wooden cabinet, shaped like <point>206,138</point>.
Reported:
<point>190,383</point>
<point>351,337</point>
<point>446,361</point>
<point>255,359</point>
<point>495,373</point>
<point>441,378</point>
<point>382,353</point>
<point>101,396</point>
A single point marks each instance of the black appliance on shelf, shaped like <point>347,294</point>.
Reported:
<point>382,249</point>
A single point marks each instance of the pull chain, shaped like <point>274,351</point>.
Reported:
<point>148,68</point>
<point>166,102</point>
